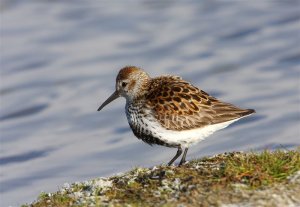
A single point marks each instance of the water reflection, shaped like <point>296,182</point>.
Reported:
<point>24,157</point>
<point>24,112</point>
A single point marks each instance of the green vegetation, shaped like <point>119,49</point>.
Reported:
<point>271,178</point>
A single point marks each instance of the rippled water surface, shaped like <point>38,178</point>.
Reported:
<point>59,61</point>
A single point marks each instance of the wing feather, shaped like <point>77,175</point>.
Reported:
<point>178,105</point>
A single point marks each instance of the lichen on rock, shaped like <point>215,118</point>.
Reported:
<point>228,179</point>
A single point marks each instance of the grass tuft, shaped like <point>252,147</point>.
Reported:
<point>256,169</point>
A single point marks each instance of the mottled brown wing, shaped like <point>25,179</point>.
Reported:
<point>178,105</point>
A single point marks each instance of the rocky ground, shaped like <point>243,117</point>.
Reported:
<point>225,180</point>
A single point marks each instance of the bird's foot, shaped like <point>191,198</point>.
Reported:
<point>183,163</point>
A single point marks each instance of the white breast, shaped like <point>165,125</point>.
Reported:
<point>186,137</point>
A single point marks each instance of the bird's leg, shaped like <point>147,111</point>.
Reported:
<point>179,151</point>
<point>182,161</point>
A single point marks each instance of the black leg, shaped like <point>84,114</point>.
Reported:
<point>179,151</point>
<point>182,161</point>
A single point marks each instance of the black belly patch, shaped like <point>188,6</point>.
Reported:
<point>141,129</point>
<point>149,138</point>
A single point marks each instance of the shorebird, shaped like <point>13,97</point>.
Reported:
<point>170,111</point>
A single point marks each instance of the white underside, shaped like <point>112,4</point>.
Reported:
<point>185,138</point>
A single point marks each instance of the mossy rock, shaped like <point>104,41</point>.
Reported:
<point>251,179</point>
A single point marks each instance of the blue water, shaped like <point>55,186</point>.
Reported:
<point>59,61</point>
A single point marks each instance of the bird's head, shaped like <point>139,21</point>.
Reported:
<point>131,83</point>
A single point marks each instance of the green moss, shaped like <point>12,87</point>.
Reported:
<point>208,181</point>
<point>263,168</point>
<point>43,196</point>
<point>56,200</point>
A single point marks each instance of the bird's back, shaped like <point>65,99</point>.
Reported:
<point>178,105</point>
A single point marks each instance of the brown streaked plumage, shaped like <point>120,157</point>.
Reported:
<point>178,105</point>
<point>170,111</point>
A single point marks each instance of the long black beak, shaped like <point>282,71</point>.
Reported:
<point>113,96</point>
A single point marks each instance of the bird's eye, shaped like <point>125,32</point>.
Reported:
<point>124,84</point>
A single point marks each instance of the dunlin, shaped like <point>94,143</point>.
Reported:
<point>170,111</point>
